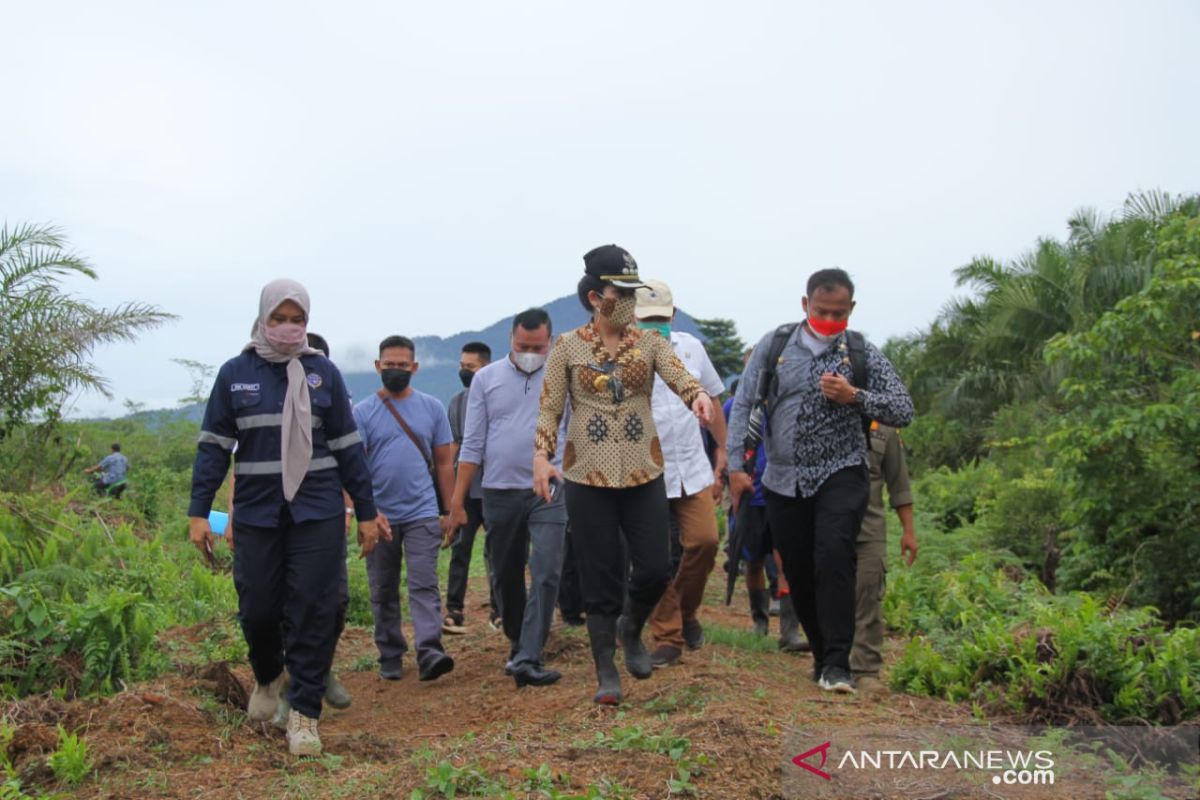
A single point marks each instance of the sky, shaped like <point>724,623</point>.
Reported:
<point>429,168</point>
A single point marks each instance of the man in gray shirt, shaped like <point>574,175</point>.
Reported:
<point>502,410</point>
<point>112,468</point>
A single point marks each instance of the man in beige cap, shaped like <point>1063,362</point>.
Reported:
<point>691,482</point>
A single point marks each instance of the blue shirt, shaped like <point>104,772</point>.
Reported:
<point>245,411</point>
<point>502,411</point>
<point>760,462</point>
<point>114,466</point>
<point>403,486</point>
<point>809,437</point>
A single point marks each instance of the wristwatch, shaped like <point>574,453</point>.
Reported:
<point>858,397</point>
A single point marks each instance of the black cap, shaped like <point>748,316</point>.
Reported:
<point>613,264</point>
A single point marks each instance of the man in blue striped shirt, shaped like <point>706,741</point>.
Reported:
<point>502,410</point>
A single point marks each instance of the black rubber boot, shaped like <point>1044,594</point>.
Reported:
<point>760,604</point>
<point>789,629</point>
<point>629,631</point>
<point>602,631</point>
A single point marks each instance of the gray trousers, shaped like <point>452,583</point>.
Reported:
<point>525,529</point>
<point>420,540</point>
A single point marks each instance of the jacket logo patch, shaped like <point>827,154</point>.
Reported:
<point>314,380</point>
<point>244,387</point>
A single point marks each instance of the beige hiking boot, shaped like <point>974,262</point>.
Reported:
<point>302,736</point>
<point>265,699</point>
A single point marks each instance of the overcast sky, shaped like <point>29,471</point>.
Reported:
<point>427,168</point>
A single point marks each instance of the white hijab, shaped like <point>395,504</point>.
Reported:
<point>296,433</point>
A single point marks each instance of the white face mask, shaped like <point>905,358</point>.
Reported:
<point>529,363</point>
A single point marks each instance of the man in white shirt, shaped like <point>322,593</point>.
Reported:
<point>691,481</point>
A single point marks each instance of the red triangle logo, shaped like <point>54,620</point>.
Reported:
<point>801,760</point>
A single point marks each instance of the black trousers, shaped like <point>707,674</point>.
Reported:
<point>604,519</point>
<point>460,559</point>
<point>288,601</point>
<point>570,594</point>
<point>816,537</point>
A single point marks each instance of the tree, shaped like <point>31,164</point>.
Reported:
<point>201,375</point>
<point>1128,445</point>
<point>47,336</point>
<point>985,351</point>
<point>724,346</point>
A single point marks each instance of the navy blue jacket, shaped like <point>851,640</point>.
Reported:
<point>246,409</point>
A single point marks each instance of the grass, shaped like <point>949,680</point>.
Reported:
<point>740,639</point>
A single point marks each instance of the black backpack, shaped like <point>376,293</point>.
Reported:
<point>768,381</point>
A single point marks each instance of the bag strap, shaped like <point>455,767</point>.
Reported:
<point>858,358</point>
<point>857,346</point>
<point>767,381</point>
<point>387,402</point>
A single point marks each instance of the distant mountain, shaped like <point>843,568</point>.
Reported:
<point>438,356</point>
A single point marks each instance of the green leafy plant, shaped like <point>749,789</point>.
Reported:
<point>71,762</point>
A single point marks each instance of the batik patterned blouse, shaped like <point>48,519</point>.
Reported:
<point>611,439</point>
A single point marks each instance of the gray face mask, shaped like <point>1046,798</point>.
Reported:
<point>529,363</point>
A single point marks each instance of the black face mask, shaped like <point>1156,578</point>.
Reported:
<point>396,380</point>
<point>465,375</point>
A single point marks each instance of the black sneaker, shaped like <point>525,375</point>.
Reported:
<point>391,670</point>
<point>836,679</point>
<point>665,656</point>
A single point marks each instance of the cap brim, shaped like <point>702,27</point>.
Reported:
<point>645,312</point>
<point>627,284</point>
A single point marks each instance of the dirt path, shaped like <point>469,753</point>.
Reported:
<point>733,704</point>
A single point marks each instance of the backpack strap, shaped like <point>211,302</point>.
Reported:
<point>860,372</point>
<point>768,381</point>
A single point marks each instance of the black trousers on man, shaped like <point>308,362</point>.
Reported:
<point>816,538</point>
<point>460,560</point>
<point>287,580</point>
<point>601,520</point>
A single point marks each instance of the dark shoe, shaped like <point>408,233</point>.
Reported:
<point>437,668</point>
<point>665,656</point>
<point>336,694</point>
<point>790,640</point>
<point>535,675</point>
<point>693,634</point>
<point>574,621</point>
<point>836,679</point>
<point>391,670</point>
<point>760,599</point>
<point>629,632</point>
<point>602,634</point>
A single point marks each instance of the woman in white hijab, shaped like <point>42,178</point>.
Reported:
<point>284,407</point>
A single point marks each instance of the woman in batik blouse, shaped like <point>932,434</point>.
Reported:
<point>612,462</point>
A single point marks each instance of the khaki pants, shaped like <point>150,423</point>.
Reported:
<point>866,657</point>
<point>696,516</point>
